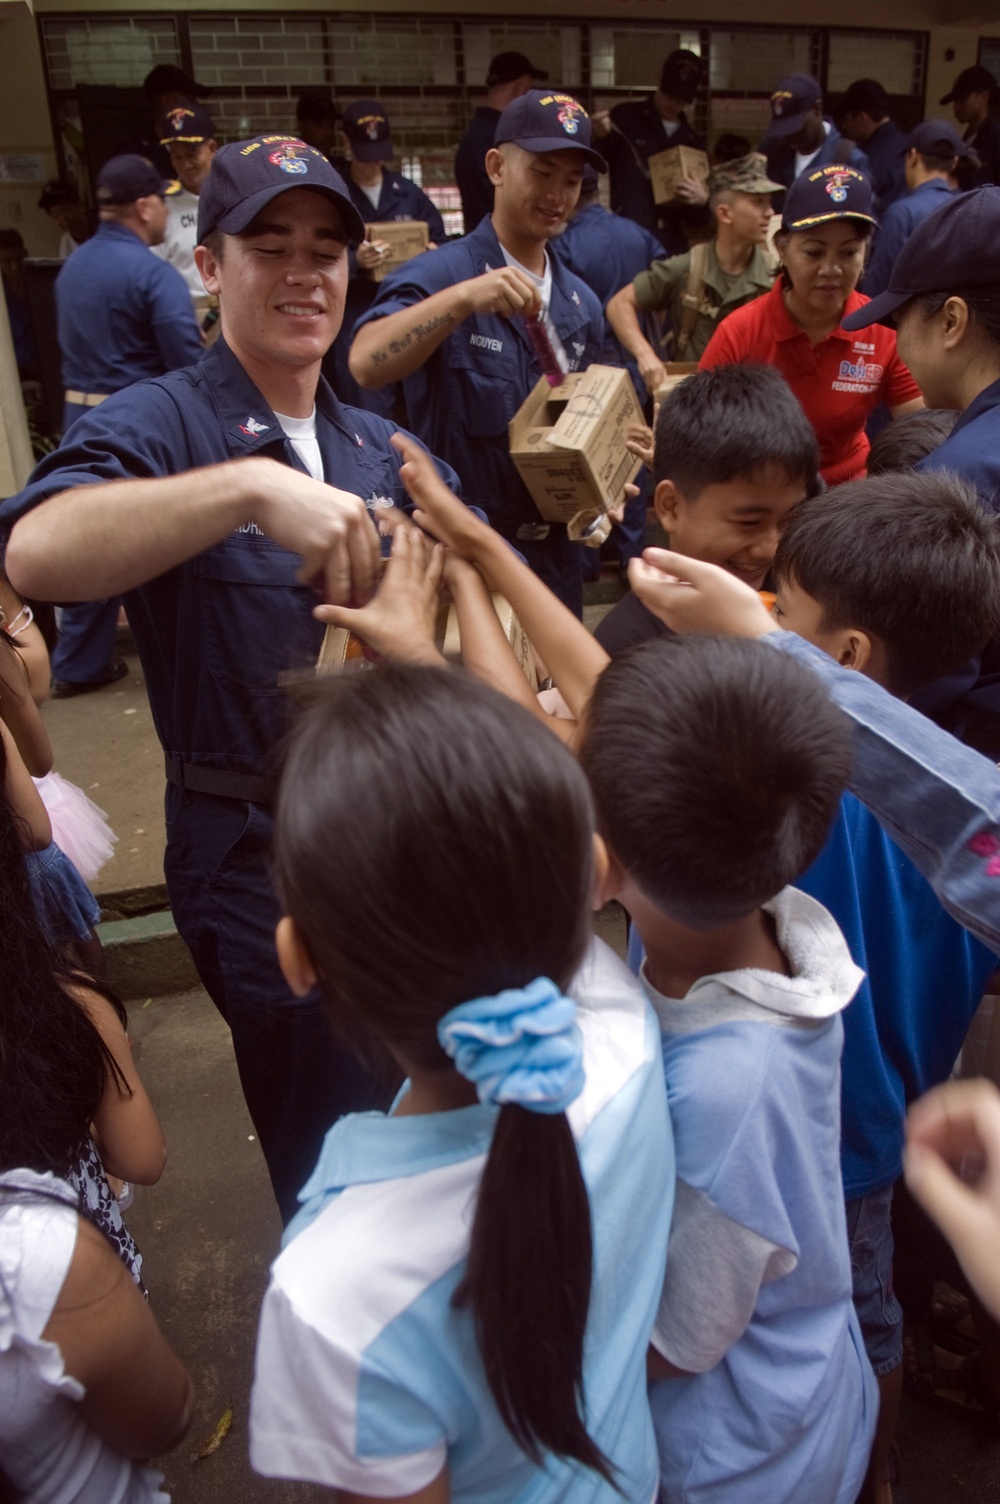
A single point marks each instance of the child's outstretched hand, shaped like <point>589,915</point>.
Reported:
<point>692,596</point>
<point>438,510</point>
<point>639,441</point>
<point>955,1131</point>
<point>398,622</point>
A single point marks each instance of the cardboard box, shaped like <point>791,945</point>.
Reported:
<point>677,371</point>
<point>406,238</point>
<point>568,442</point>
<point>667,168</point>
<point>341,650</point>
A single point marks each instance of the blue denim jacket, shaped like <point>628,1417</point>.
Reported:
<point>937,799</point>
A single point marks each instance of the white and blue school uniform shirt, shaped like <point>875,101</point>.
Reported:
<point>781,1401</point>
<point>368,1378</point>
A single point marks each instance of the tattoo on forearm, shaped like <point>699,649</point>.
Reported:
<point>413,337</point>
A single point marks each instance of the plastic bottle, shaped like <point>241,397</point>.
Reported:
<point>548,347</point>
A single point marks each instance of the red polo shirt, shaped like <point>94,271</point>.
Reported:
<point>838,382</point>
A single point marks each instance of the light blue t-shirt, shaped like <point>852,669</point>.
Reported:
<point>781,1401</point>
<point>367,1377</point>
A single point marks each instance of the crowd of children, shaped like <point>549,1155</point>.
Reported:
<point>626,1230</point>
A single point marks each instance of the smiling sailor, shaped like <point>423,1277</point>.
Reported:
<point>211,497</point>
<point>450,324</point>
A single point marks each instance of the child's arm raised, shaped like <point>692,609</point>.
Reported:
<point>954,1127</point>
<point>574,659</point>
<point>936,798</point>
<point>398,621</point>
<point>126,1129</point>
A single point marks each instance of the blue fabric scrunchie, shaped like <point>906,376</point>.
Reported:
<point>522,1047</point>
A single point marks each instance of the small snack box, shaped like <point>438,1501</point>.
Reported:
<point>406,238</point>
<point>667,168</point>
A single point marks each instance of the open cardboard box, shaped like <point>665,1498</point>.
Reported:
<point>405,238</point>
<point>568,442</point>
<point>667,168</point>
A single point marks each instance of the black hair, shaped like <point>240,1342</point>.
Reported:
<point>316,104</point>
<point>434,845</point>
<point>865,96</point>
<point>983,304</point>
<point>214,242</point>
<point>730,148</point>
<point>54,1065</point>
<point>911,557</point>
<point>731,422</point>
<point>907,440</point>
<point>716,766</point>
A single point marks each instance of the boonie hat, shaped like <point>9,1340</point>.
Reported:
<point>366,126</point>
<point>952,248</point>
<point>743,175</point>
<point>832,192</point>
<point>680,76</point>
<point>124,179</point>
<point>188,122</point>
<point>795,97</point>
<point>971,81</point>
<point>246,175</point>
<point>539,121</point>
<point>937,138</point>
<point>507,66</point>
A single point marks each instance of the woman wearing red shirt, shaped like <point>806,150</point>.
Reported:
<point>838,377</point>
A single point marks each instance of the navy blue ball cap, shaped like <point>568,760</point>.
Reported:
<point>794,98</point>
<point>366,126</point>
<point>953,248</point>
<point>937,138</point>
<point>974,80</point>
<point>832,192</point>
<point>542,121</point>
<point>124,179</point>
<point>246,175</point>
<point>188,122</point>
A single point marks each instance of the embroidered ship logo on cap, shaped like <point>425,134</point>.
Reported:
<point>287,157</point>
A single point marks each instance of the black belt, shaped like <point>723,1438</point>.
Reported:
<point>247,788</point>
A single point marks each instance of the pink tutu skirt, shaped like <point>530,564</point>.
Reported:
<point>79,828</point>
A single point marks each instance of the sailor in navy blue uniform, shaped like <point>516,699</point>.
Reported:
<point>380,196</point>
<point>801,137</point>
<point>510,75</point>
<point>122,315</point>
<point>450,325</point>
<point>638,129</point>
<point>200,495</point>
<point>864,118</point>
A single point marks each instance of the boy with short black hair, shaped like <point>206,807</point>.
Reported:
<point>906,441</point>
<point>733,454</point>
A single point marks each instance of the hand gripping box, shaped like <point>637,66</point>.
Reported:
<point>568,443</point>
<point>667,168</point>
<point>405,238</point>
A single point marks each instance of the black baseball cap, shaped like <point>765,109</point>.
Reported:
<point>937,138</point>
<point>366,126</point>
<point>680,76</point>
<point>168,78</point>
<point>539,121</point>
<point>246,175</point>
<point>507,66</point>
<point>124,179</point>
<point>796,96</point>
<point>188,122</point>
<point>952,248</point>
<point>832,192</point>
<point>971,81</point>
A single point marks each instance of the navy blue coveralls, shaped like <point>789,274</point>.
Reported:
<point>898,224</point>
<point>462,398</point>
<point>214,635</point>
<point>473,180</point>
<point>122,315</point>
<point>399,199</point>
<point>627,150</point>
<point>608,253</point>
<point>886,150</point>
<point>967,703</point>
<point>781,160</point>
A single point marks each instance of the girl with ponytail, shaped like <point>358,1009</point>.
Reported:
<point>463,1305</point>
